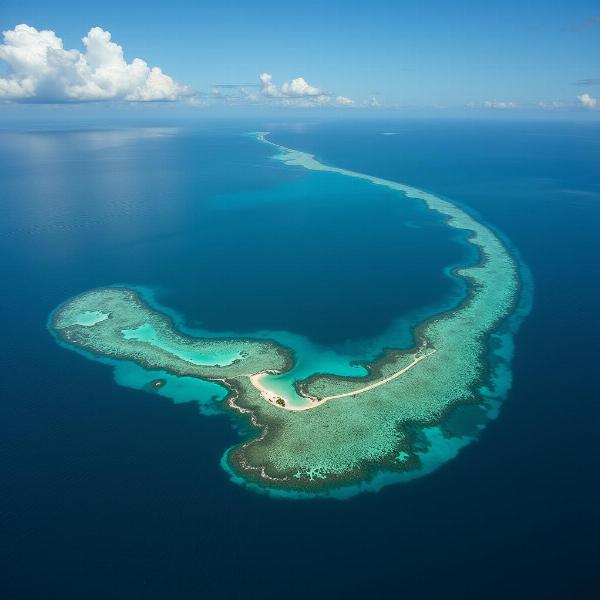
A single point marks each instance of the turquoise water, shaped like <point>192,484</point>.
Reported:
<point>148,334</point>
<point>205,394</point>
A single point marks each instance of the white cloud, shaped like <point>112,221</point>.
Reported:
<point>343,101</point>
<point>299,87</point>
<point>41,69</point>
<point>499,104</point>
<point>550,104</point>
<point>587,101</point>
<point>267,87</point>
<point>372,102</point>
<point>299,93</point>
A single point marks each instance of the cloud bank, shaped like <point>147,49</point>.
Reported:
<point>41,69</point>
<point>299,93</point>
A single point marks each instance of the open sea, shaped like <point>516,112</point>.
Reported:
<point>112,492</point>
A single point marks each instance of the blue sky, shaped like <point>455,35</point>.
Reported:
<point>409,56</point>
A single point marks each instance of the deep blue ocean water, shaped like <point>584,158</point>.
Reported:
<point>109,492</point>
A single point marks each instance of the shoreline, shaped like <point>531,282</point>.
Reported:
<point>274,397</point>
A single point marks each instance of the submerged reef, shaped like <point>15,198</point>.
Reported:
<point>331,434</point>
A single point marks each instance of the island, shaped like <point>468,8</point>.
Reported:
<point>328,434</point>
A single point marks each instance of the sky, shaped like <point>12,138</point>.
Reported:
<point>232,56</point>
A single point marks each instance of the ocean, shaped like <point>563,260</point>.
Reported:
<point>115,492</point>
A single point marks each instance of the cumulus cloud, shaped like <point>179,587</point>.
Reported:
<point>267,87</point>
<point>299,93</point>
<point>499,104</point>
<point>587,101</point>
<point>299,87</point>
<point>41,69</point>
